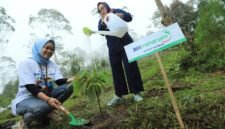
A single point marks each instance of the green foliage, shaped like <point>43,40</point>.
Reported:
<point>10,89</point>
<point>211,25</point>
<point>90,83</point>
<point>8,93</point>
<point>210,36</point>
<point>4,101</point>
<point>206,54</point>
<point>6,115</point>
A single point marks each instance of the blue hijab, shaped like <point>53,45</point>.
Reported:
<point>36,51</point>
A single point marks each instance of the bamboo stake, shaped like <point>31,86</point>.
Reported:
<point>167,20</point>
<point>172,97</point>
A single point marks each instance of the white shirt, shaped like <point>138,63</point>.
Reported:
<point>29,72</point>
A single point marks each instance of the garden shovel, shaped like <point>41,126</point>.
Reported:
<point>74,121</point>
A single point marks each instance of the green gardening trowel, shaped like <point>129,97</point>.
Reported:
<point>74,121</point>
<point>87,31</point>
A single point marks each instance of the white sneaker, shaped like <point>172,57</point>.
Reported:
<point>137,98</point>
<point>115,100</point>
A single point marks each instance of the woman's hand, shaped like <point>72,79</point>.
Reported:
<point>53,102</point>
<point>69,80</point>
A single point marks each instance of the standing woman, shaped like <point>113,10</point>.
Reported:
<point>37,96</point>
<point>118,58</point>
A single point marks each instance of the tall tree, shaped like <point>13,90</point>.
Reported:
<point>10,89</point>
<point>7,70</point>
<point>71,62</point>
<point>51,23</point>
<point>165,15</point>
<point>186,16</point>
<point>6,25</point>
<point>210,36</point>
<point>211,25</point>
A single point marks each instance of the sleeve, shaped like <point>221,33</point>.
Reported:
<point>33,89</point>
<point>61,81</point>
<point>26,73</point>
<point>126,16</point>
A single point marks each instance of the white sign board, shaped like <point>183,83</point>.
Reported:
<point>158,41</point>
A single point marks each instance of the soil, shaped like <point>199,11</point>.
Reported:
<point>106,120</point>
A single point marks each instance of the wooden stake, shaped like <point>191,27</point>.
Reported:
<point>167,20</point>
<point>172,97</point>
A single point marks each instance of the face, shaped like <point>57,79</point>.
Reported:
<point>102,9</point>
<point>48,50</point>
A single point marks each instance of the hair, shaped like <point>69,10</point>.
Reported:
<point>52,41</point>
<point>106,5</point>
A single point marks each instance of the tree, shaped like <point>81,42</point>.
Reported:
<point>52,23</point>
<point>210,36</point>
<point>6,25</point>
<point>7,70</point>
<point>71,63</point>
<point>211,26</point>
<point>10,89</point>
<point>91,84</point>
<point>185,15</point>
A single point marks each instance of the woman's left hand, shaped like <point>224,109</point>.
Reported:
<point>69,80</point>
<point>54,102</point>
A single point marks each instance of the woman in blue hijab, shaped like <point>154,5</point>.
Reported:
<point>37,96</point>
<point>117,56</point>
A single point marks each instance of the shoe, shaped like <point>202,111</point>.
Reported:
<point>54,116</point>
<point>137,98</point>
<point>115,100</point>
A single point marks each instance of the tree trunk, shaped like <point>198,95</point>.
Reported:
<point>166,18</point>
<point>161,8</point>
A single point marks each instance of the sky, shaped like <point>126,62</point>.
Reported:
<point>78,12</point>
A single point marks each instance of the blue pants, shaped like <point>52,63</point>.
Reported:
<point>130,71</point>
<point>36,109</point>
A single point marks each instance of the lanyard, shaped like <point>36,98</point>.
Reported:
<point>45,77</point>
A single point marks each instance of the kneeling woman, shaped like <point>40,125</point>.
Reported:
<point>37,96</point>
